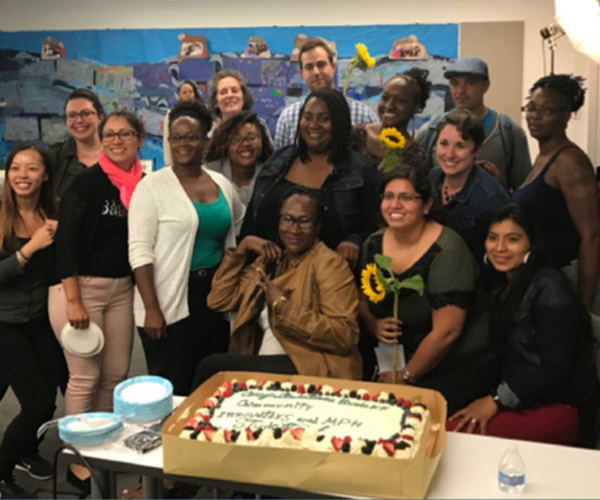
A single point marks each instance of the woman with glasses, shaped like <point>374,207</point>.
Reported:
<point>296,308</point>
<point>182,219</point>
<point>465,193</point>
<point>560,193</point>
<point>83,114</point>
<point>320,160</point>
<point>96,278</point>
<point>441,326</point>
<point>238,150</point>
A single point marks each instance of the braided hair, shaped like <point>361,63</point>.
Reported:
<point>569,86</point>
<point>341,125</point>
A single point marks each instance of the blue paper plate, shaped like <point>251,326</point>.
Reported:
<point>143,398</point>
<point>89,429</point>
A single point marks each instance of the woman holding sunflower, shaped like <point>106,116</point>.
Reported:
<point>437,319</point>
<point>321,161</point>
<point>404,95</point>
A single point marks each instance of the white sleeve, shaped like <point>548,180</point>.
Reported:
<point>142,226</point>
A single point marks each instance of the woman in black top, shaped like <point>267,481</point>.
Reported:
<point>548,390</point>
<point>321,161</point>
<point>93,265</point>
<point>29,354</point>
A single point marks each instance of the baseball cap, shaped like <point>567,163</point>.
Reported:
<point>468,66</point>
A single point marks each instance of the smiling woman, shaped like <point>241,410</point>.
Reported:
<point>182,220</point>
<point>96,279</point>
<point>320,160</point>
<point>229,94</point>
<point>296,308</point>
<point>238,149</point>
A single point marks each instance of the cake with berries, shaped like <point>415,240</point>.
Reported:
<point>309,417</point>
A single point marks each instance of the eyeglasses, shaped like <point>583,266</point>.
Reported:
<point>123,135</point>
<point>304,223</point>
<point>84,115</point>
<point>250,138</point>
<point>543,112</point>
<point>188,139</point>
<point>403,197</point>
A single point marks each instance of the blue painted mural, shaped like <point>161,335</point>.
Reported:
<point>141,70</point>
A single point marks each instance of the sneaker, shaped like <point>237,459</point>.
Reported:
<point>36,466</point>
<point>10,489</point>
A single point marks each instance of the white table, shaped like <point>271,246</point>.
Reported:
<point>468,469</point>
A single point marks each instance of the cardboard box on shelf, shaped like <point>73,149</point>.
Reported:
<point>313,471</point>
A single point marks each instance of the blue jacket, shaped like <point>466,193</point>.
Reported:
<point>349,199</point>
<point>467,213</point>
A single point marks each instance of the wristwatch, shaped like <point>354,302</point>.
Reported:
<point>406,376</point>
<point>496,399</point>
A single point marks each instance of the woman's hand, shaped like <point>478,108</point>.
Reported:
<point>349,251</point>
<point>387,330</point>
<point>386,378</point>
<point>77,314</point>
<point>266,249</point>
<point>272,292</point>
<point>155,325</point>
<point>478,413</point>
<point>42,238</point>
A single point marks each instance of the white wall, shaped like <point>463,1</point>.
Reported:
<point>117,14</point>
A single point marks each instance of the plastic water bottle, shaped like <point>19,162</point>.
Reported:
<point>511,471</point>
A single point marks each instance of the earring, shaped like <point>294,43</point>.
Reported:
<point>485,259</point>
<point>526,258</point>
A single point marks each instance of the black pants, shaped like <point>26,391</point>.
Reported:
<point>189,341</point>
<point>31,360</point>
<point>238,363</point>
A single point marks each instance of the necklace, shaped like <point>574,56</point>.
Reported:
<point>447,196</point>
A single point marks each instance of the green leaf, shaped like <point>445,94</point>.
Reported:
<point>415,283</point>
<point>384,262</point>
<point>387,283</point>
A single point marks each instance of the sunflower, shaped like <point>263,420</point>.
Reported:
<point>392,138</point>
<point>368,279</point>
<point>363,55</point>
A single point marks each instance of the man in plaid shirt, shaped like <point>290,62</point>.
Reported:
<point>317,68</point>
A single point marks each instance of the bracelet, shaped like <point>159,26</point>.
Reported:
<point>276,301</point>
<point>22,256</point>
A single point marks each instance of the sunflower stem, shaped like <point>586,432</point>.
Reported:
<point>349,71</point>
<point>395,347</point>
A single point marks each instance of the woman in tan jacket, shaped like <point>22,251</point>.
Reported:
<point>297,309</point>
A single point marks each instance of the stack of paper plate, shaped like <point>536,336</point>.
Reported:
<point>144,398</point>
<point>88,429</point>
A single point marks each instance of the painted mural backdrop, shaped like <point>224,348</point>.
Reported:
<point>141,70</point>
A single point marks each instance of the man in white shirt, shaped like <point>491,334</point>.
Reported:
<point>317,68</point>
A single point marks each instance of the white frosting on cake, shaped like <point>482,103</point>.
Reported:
<point>328,415</point>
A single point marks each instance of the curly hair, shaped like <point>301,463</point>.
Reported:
<point>470,128</point>
<point>569,86</point>
<point>191,109</point>
<point>214,84</point>
<point>341,124</point>
<point>219,143</point>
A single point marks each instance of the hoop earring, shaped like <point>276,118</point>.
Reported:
<point>485,259</point>
<point>526,258</point>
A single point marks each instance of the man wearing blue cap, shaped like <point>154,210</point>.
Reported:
<point>505,144</point>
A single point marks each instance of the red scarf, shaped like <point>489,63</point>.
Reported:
<point>124,181</point>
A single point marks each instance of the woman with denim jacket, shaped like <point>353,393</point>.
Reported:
<point>465,193</point>
<point>548,390</point>
<point>321,161</point>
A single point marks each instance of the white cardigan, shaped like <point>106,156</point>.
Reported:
<point>162,228</point>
